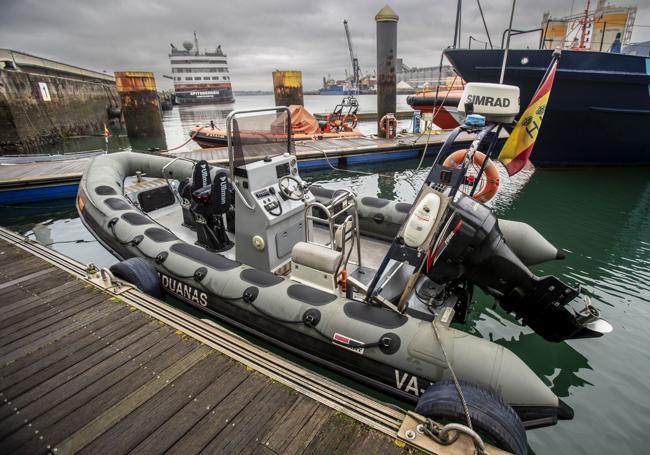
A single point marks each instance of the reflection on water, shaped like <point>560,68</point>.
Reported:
<point>599,217</point>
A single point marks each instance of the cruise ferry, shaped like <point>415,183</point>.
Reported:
<point>200,77</point>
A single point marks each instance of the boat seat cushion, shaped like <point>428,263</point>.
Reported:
<point>205,257</point>
<point>316,257</point>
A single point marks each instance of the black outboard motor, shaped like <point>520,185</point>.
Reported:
<point>466,247</point>
<point>478,254</point>
<point>209,205</point>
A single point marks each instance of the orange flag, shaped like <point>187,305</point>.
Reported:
<point>517,149</point>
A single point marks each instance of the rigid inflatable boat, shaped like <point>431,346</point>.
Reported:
<point>362,285</point>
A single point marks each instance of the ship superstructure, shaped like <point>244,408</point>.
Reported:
<point>200,77</point>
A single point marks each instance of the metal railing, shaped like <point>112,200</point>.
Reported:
<point>343,202</point>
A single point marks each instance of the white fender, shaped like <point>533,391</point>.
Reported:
<point>422,220</point>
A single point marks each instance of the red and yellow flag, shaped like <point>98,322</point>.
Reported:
<point>517,149</point>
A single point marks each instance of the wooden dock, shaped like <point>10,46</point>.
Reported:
<point>316,153</point>
<point>21,183</point>
<point>92,367</point>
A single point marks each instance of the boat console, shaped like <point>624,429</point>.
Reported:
<point>270,197</point>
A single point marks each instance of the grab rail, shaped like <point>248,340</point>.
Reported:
<point>348,203</point>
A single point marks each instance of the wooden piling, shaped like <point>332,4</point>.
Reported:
<point>140,103</point>
<point>287,87</point>
<point>386,20</point>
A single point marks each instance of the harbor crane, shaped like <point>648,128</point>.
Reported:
<point>356,72</point>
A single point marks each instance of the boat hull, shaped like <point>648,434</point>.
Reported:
<point>599,106</point>
<point>277,312</point>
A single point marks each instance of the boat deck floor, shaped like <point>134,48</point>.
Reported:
<point>82,371</point>
<point>372,250</point>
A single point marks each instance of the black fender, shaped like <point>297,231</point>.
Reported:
<point>490,415</point>
<point>140,273</point>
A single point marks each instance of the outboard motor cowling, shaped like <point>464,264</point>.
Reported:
<point>479,254</point>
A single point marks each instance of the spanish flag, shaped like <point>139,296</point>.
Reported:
<point>517,149</point>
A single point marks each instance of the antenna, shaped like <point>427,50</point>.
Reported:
<point>196,43</point>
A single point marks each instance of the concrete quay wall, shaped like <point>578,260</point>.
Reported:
<point>38,109</point>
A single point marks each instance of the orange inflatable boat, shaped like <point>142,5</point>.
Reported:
<point>304,126</point>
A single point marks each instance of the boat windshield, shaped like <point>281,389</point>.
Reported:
<point>256,135</point>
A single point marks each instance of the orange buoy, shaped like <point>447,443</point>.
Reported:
<point>388,125</point>
<point>350,121</point>
<point>490,178</point>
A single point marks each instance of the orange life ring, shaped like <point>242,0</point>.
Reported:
<point>333,122</point>
<point>491,173</point>
<point>350,122</point>
<point>388,125</point>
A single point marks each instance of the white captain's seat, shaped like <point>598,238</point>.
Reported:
<point>316,265</point>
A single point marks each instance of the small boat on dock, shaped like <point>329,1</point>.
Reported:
<point>365,286</point>
<point>304,126</point>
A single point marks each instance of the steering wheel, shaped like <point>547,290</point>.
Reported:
<point>291,188</point>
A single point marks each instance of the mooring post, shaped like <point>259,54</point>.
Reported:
<point>386,20</point>
<point>140,103</point>
<point>287,86</point>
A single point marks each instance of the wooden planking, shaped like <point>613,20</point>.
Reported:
<point>15,304</point>
<point>106,420</point>
<point>61,354</point>
<point>212,423</point>
<point>22,346</point>
<point>244,431</point>
<point>49,306</point>
<point>41,171</point>
<point>178,425</point>
<point>35,392</point>
<point>48,317</point>
<point>135,427</point>
<point>80,372</point>
<point>54,399</point>
<point>58,428</point>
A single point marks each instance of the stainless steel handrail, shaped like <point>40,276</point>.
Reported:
<point>171,188</point>
<point>348,203</point>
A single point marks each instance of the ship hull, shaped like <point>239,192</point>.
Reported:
<point>598,111</point>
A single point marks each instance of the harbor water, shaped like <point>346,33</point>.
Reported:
<point>599,217</point>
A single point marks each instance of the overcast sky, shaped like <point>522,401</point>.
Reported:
<point>260,36</point>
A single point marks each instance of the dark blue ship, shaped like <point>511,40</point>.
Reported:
<point>599,109</point>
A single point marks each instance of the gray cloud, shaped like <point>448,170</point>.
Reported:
<point>258,36</point>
